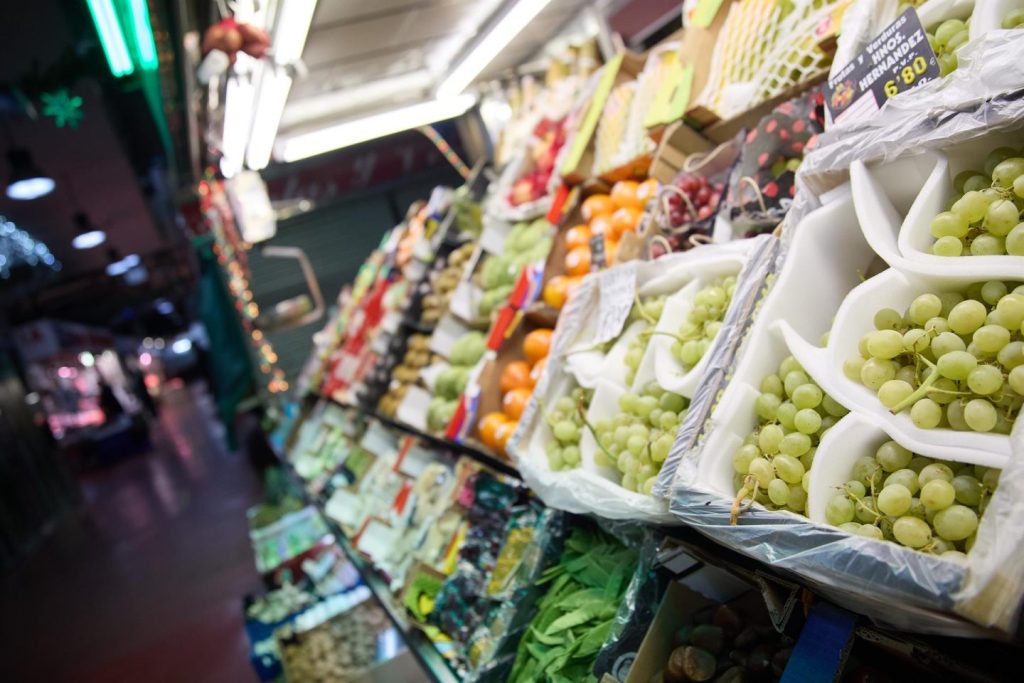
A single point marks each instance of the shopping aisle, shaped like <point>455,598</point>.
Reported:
<point>146,583</point>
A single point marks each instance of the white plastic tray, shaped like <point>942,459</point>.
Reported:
<point>659,362</point>
<point>896,202</point>
<point>934,12</point>
<point>988,15</point>
<point>890,289</point>
<point>827,257</point>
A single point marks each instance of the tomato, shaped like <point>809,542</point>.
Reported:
<point>515,375</point>
<point>595,205</point>
<point>537,344</point>
<point>577,261</point>
<point>514,402</point>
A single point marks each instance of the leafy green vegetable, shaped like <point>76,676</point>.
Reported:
<point>576,615</point>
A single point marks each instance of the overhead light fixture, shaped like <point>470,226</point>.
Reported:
<point>115,47</point>
<point>238,110</point>
<point>371,127</point>
<point>86,359</point>
<point>181,346</point>
<point>270,102</point>
<point>142,31</point>
<point>288,41</point>
<point>27,180</point>
<point>87,235</point>
<point>164,307</point>
<point>292,27</point>
<point>119,266</point>
<point>489,45</point>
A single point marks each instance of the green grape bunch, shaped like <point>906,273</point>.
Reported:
<point>932,506</point>
<point>773,465</point>
<point>649,310</point>
<point>704,321</point>
<point>638,440</point>
<point>955,361</point>
<point>949,37</point>
<point>566,422</point>
<point>1013,19</point>
<point>984,217</point>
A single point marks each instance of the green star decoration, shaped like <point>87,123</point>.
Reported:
<point>64,108</point>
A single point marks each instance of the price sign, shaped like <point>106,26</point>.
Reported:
<point>598,260</point>
<point>898,59</point>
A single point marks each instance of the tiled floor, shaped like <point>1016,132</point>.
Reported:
<point>145,585</point>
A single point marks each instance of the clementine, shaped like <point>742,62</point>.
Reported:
<point>514,402</point>
<point>624,193</point>
<point>595,205</point>
<point>515,375</point>
<point>537,344</point>
<point>577,261</point>
<point>488,427</point>
<point>577,236</point>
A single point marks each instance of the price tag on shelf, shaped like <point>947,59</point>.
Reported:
<point>705,13</point>
<point>898,59</point>
<point>598,260</point>
<point>618,290</point>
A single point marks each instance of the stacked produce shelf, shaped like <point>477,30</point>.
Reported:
<point>689,310</point>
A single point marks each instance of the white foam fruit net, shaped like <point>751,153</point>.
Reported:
<point>763,50</point>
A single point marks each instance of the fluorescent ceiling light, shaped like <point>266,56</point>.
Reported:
<point>30,188</point>
<point>274,88</point>
<point>336,102</point>
<point>238,110</point>
<point>371,127</point>
<point>181,346</point>
<point>489,45</point>
<point>111,37</point>
<point>89,239</point>
<point>291,30</point>
<point>143,32</point>
<point>123,266</point>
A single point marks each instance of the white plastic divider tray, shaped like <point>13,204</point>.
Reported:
<point>589,365</point>
<point>988,15</point>
<point>897,200</point>
<point>934,12</point>
<point>588,488</point>
<point>850,438</point>
<point>890,289</point>
<point>663,364</point>
<point>809,288</point>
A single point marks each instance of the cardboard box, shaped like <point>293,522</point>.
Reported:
<point>578,165</point>
<point>677,144</point>
<point>704,588</point>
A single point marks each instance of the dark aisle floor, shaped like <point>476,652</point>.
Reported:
<point>145,585</point>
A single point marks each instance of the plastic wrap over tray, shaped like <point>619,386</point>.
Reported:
<point>981,96</point>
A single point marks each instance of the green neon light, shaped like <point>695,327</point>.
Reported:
<point>143,31</point>
<point>111,38</point>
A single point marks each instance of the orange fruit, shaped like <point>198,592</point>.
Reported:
<point>556,291</point>
<point>514,402</point>
<point>596,204</point>
<point>601,224</point>
<point>502,434</point>
<point>537,344</point>
<point>538,369</point>
<point>624,194</point>
<point>515,375</point>
<point>625,220</point>
<point>577,236</point>
<point>610,247</point>
<point>647,189</point>
<point>488,427</point>
<point>577,261</point>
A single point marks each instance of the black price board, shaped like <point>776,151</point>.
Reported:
<point>896,60</point>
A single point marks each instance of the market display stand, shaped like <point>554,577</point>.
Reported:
<point>430,660</point>
<point>438,442</point>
